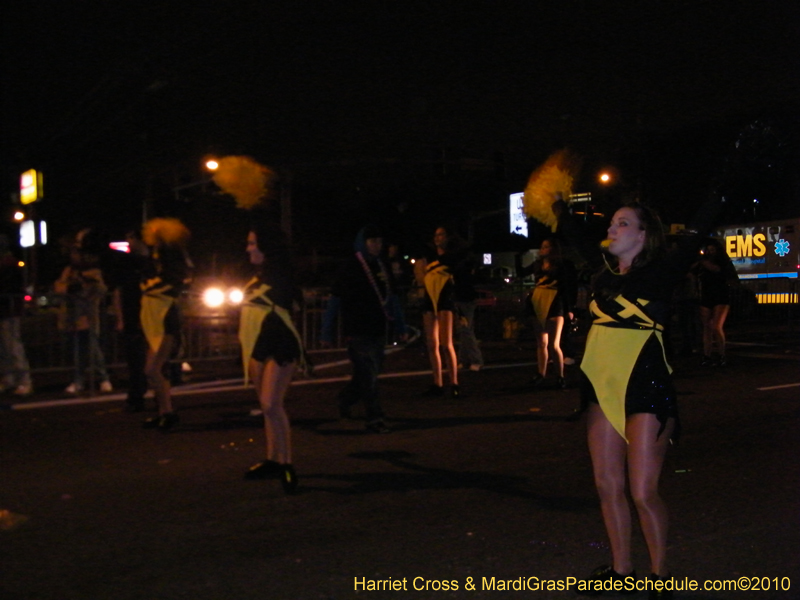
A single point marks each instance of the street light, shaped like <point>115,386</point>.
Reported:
<point>605,177</point>
<point>212,165</point>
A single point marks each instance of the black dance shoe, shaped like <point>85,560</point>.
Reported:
<point>561,383</point>
<point>266,469</point>
<point>434,390</point>
<point>604,574</point>
<point>656,594</point>
<point>537,381</point>
<point>288,479</point>
<point>455,391</point>
<point>163,422</point>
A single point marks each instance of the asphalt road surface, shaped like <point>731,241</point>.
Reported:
<point>496,484</point>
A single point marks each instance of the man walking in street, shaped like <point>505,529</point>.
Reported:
<point>364,297</point>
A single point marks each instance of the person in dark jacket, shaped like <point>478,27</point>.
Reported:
<point>363,296</point>
<point>16,371</point>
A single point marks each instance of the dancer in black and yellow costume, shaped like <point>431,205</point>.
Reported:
<point>714,271</point>
<point>271,347</point>
<point>167,274</point>
<point>551,303</point>
<point>438,308</point>
<point>627,388</point>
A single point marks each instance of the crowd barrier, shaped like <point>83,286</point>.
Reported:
<point>211,334</point>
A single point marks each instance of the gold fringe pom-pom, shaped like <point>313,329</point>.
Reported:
<point>552,178</point>
<point>165,231</point>
<point>243,178</point>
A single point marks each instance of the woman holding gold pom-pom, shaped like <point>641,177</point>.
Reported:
<point>271,346</point>
<point>168,273</point>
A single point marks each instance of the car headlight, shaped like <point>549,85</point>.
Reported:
<point>213,297</point>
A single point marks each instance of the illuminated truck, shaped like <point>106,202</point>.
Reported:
<point>767,258</point>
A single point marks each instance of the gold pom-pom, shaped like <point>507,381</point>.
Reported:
<point>551,179</point>
<point>243,178</point>
<point>165,231</point>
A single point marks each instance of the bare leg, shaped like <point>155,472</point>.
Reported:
<point>708,340</point>
<point>445,326</point>
<point>432,337</point>
<point>556,325</point>
<point>608,450</point>
<point>645,459</point>
<point>154,369</point>
<point>273,384</point>
<point>717,325</point>
<point>542,356</point>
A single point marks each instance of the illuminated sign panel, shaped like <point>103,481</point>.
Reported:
<point>30,186</point>
<point>517,218</point>
<point>743,246</point>
<point>27,234</point>
<point>766,250</point>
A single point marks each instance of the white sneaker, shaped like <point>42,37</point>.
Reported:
<point>73,388</point>
<point>106,387</point>
<point>23,390</point>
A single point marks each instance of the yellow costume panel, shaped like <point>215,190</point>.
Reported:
<point>542,299</point>
<point>153,313</point>
<point>622,335</point>
<point>436,277</point>
<point>256,307</point>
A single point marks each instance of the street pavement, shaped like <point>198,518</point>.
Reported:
<point>495,484</point>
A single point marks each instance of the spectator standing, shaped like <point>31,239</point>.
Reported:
<point>16,371</point>
<point>83,291</point>
<point>122,272</point>
<point>465,295</point>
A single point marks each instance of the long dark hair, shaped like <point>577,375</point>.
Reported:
<point>556,256</point>
<point>455,243</point>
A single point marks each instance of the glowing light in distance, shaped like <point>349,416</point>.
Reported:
<point>212,165</point>
<point>605,177</point>
<point>120,246</point>
<point>19,215</point>
<point>235,296</point>
<point>213,297</point>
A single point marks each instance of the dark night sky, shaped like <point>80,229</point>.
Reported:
<point>98,94</point>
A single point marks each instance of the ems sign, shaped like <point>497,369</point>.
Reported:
<point>743,246</point>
